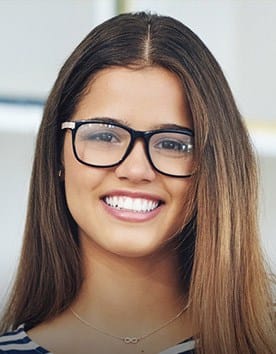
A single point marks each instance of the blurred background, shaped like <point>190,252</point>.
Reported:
<point>36,36</point>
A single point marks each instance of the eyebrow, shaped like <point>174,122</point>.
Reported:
<point>155,127</point>
<point>110,120</point>
<point>170,126</point>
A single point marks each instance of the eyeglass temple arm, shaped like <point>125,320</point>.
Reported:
<point>68,125</point>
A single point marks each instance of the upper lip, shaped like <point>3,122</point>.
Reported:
<point>132,194</point>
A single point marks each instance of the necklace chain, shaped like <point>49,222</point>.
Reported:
<point>128,339</point>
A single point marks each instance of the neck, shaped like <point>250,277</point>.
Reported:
<point>130,288</point>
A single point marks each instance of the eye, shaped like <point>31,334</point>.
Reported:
<point>106,137</point>
<point>99,133</point>
<point>173,145</point>
<point>170,145</point>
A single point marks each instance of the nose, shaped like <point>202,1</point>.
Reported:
<point>136,167</point>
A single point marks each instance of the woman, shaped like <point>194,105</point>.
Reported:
<point>141,234</point>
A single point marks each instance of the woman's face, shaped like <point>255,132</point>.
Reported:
<point>143,99</point>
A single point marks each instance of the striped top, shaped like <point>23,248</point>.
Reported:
<point>18,342</point>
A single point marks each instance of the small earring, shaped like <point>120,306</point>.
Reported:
<point>60,173</point>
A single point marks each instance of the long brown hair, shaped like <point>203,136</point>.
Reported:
<point>226,276</point>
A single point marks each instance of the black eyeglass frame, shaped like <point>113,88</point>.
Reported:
<point>134,135</point>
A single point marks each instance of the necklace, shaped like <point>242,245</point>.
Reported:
<point>128,339</point>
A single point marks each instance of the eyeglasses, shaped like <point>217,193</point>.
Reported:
<point>102,143</point>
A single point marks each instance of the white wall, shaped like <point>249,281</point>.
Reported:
<point>36,36</point>
<point>242,35</point>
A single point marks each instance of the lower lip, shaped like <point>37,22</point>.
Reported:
<point>131,216</point>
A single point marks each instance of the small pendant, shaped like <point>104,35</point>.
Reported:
<point>131,340</point>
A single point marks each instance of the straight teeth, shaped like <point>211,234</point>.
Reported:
<point>131,204</point>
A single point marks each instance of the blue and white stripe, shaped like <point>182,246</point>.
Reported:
<point>18,342</point>
<point>187,347</point>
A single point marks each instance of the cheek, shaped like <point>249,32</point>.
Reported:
<point>77,175</point>
<point>80,180</point>
<point>183,196</point>
<point>82,192</point>
<point>180,189</point>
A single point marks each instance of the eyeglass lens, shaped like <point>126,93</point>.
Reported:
<point>102,145</point>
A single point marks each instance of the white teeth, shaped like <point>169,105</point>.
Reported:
<point>132,204</point>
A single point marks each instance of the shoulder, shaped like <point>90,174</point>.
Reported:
<point>17,341</point>
<point>186,347</point>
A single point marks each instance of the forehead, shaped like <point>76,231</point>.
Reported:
<point>152,94</point>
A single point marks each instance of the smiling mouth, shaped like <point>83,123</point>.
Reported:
<point>137,205</point>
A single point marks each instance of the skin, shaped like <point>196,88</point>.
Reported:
<point>127,269</point>
<point>145,99</point>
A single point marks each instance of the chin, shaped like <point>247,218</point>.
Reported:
<point>130,249</point>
